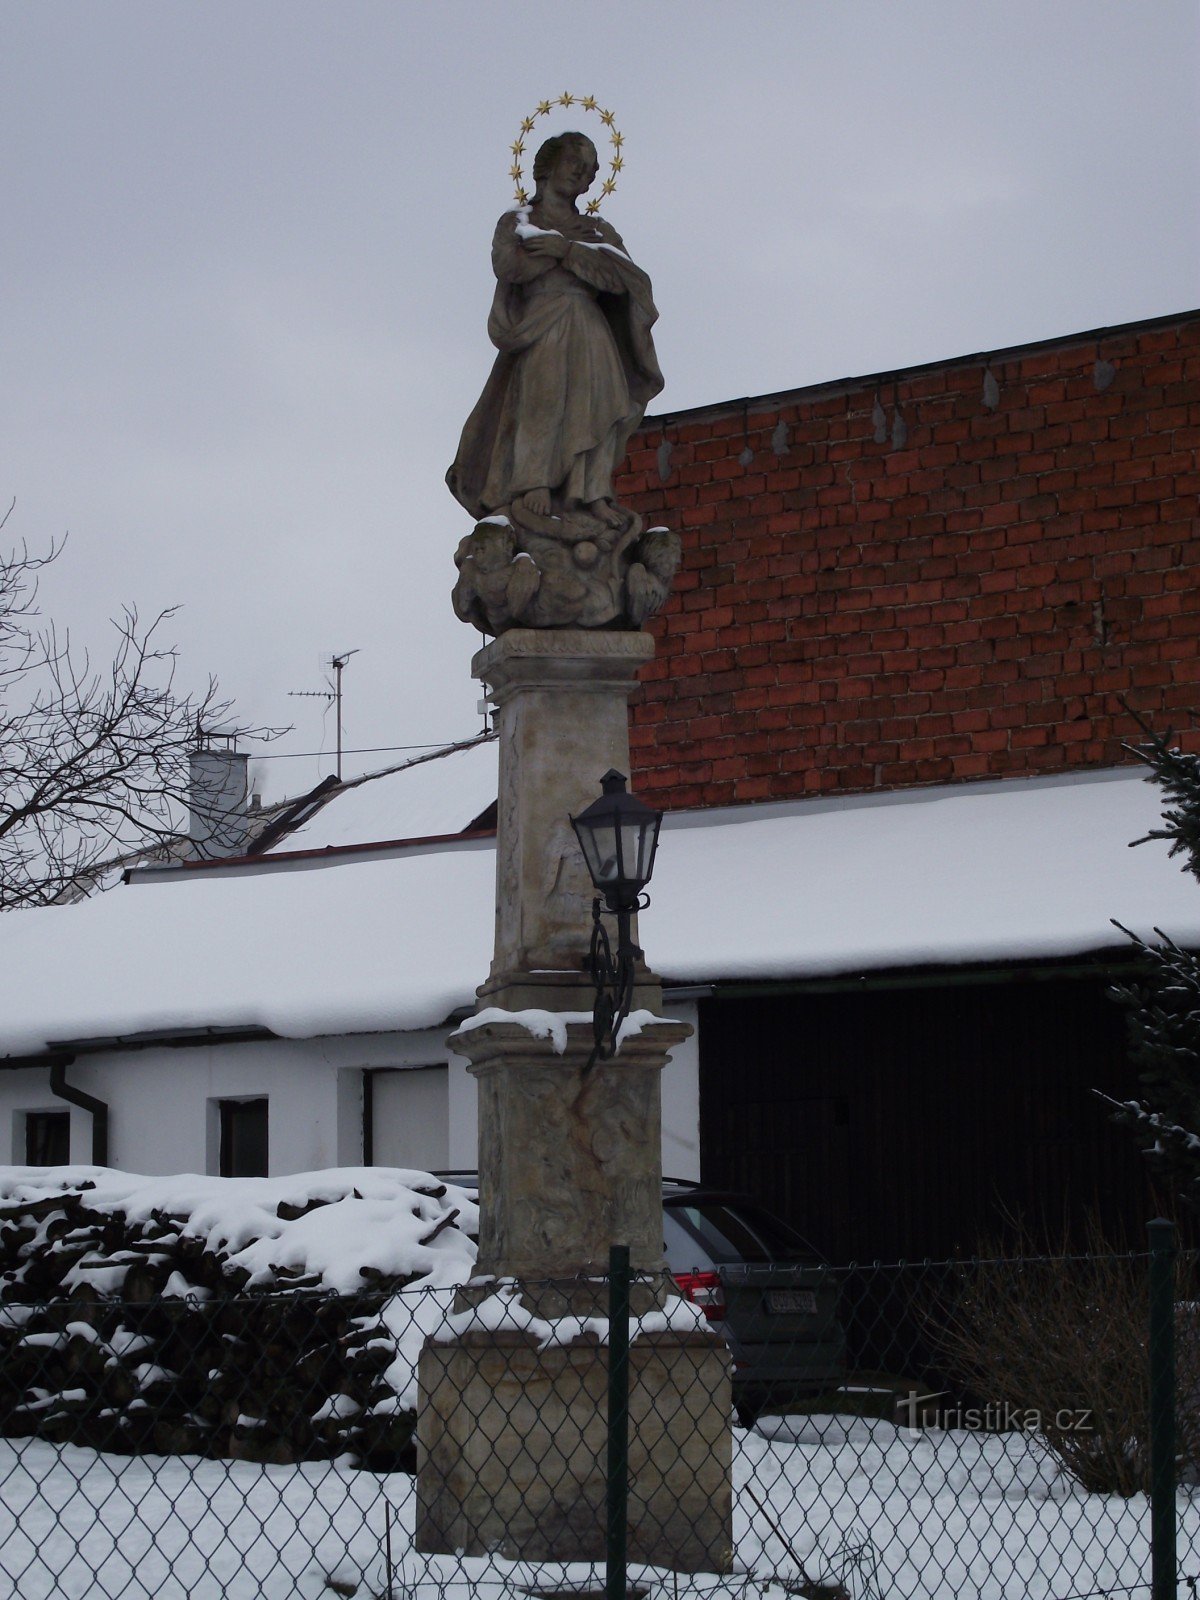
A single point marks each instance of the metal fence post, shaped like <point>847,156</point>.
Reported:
<point>1162,1409</point>
<point>618,1422</point>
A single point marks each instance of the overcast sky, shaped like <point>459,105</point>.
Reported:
<point>246,269</point>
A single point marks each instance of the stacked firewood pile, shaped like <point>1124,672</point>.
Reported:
<point>135,1335</point>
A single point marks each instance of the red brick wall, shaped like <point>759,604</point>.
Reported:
<point>965,599</point>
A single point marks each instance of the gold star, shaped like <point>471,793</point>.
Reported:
<point>543,107</point>
<point>592,207</point>
<point>527,125</point>
<point>517,147</point>
<point>617,163</point>
<point>515,170</point>
<point>588,102</point>
<point>606,117</point>
<point>565,99</point>
<point>522,197</point>
<point>618,139</point>
<point>607,186</point>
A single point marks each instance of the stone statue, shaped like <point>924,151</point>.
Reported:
<point>571,319</point>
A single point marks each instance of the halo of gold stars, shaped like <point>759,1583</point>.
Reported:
<point>587,102</point>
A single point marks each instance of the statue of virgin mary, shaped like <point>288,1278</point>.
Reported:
<point>576,368</point>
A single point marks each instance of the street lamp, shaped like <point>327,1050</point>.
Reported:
<point>618,835</point>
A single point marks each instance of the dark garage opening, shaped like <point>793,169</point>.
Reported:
<point>905,1122</point>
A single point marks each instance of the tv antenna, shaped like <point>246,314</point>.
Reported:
<point>332,696</point>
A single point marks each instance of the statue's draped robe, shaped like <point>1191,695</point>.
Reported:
<point>575,372</point>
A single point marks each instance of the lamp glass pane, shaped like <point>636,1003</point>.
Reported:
<point>632,839</point>
<point>604,864</point>
<point>587,840</point>
<point>649,845</point>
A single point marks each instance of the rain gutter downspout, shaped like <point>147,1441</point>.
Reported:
<point>98,1109</point>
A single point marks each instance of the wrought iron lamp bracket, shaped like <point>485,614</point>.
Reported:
<point>614,975</point>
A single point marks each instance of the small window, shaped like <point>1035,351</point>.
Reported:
<point>47,1138</point>
<point>244,1138</point>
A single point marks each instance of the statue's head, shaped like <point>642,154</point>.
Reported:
<point>576,148</point>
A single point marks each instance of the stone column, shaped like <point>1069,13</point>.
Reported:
<point>561,697</point>
<point>510,1433</point>
<point>568,1161</point>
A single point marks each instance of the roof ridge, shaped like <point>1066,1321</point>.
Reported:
<point>864,380</point>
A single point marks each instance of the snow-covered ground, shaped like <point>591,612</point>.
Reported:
<point>887,1512</point>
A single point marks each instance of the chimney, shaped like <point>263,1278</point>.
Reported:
<point>217,797</point>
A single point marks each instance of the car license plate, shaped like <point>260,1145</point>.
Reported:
<point>802,1300</point>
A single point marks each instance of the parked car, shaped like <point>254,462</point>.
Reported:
<point>762,1287</point>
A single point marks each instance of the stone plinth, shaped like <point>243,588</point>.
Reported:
<point>569,1158</point>
<point>561,697</point>
<point>512,1443</point>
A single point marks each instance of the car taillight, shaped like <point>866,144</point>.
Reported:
<point>703,1289</point>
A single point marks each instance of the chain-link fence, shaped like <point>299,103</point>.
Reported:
<point>967,1429</point>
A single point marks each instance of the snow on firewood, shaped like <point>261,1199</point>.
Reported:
<point>328,1225</point>
<point>269,1319</point>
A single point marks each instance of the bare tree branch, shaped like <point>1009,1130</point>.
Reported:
<point>94,760</point>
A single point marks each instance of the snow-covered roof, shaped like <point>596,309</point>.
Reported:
<point>399,938</point>
<point>443,792</point>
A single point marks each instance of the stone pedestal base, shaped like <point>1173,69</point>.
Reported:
<point>568,1156</point>
<point>511,1444</point>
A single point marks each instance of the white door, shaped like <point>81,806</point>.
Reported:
<point>410,1109</point>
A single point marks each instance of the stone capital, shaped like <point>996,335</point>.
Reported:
<point>563,658</point>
